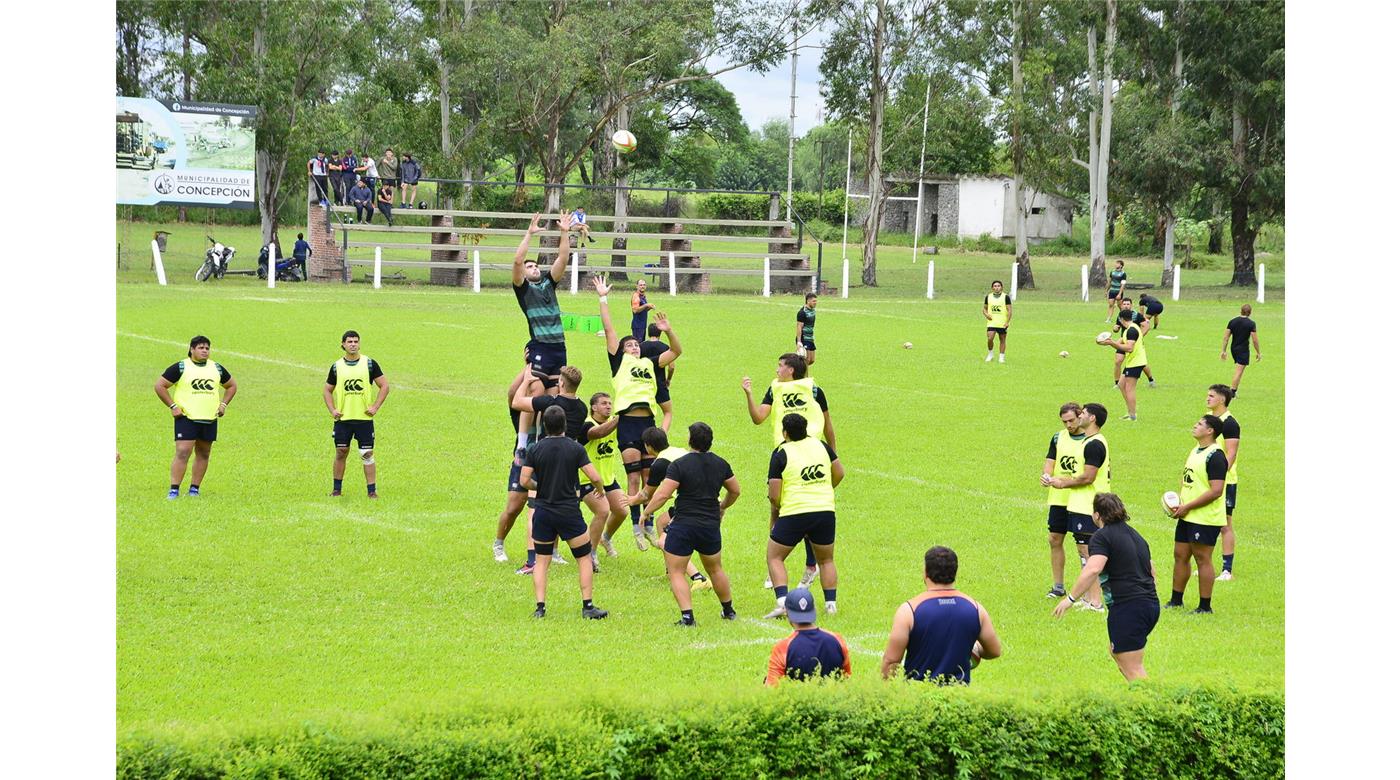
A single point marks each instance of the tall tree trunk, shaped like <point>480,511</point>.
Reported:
<point>622,197</point>
<point>268,167</point>
<point>1026,279</point>
<point>1101,160</point>
<point>1169,233</point>
<point>1096,216</point>
<point>1168,246</point>
<point>444,97</point>
<point>875,152</point>
<point>1242,235</point>
<point>1216,244</point>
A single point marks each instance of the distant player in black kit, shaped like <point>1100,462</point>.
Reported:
<point>1151,307</point>
<point>1239,332</point>
<point>551,470</point>
<point>806,329</point>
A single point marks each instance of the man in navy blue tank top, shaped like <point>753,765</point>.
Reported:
<point>808,651</point>
<point>940,634</point>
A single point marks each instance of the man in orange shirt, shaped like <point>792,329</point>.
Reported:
<point>808,650</point>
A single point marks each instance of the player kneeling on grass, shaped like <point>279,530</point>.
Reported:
<point>940,634</point>
<point>696,478</point>
<point>347,396</point>
<point>808,651</point>
<point>1120,559</point>
<point>551,470</point>
<point>662,455</point>
<point>196,407</point>
<point>802,477</point>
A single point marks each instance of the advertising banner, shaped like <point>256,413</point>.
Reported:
<point>182,153</point>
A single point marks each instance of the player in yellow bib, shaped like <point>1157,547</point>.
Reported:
<point>996,308</point>
<point>1201,514</point>
<point>792,391</point>
<point>1218,399</point>
<point>803,474</point>
<point>599,439</point>
<point>1082,472</point>
<point>191,389</point>
<point>1134,360</point>
<point>355,389</point>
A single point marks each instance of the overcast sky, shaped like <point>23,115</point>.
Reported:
<point>764,96</point>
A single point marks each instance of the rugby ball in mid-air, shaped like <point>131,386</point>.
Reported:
<point>1105,336</point>
<point>1170,501</point>
<point>624,141</point>
<point>908,345</point>
<point>1064,353</point>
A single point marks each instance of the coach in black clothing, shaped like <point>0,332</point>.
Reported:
<point>1239,332</point>
<point>551,470</point>
<point>698,475</point>
<point>1120,558</point>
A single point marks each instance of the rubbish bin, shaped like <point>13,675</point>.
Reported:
<point>161,236</point>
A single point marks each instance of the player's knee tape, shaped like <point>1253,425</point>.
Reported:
<point>635,468</point>
<point>646,462</point>
<point>544,548</point>
<point>367,457</point>
<point>582,550</point>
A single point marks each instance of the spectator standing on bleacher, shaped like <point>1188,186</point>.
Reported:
<point>348,163</point>
<point>336,179</point>
<point>370,171</point>
<point>300,251</point>
<point>362,198</point>
<point>389,169</point>
<point>386,202</point>
<point>318,168</point>
<point>410,172</point>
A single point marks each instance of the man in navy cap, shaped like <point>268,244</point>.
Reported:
<point>808,650</point>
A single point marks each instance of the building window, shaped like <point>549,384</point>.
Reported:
<point>1038,210</point>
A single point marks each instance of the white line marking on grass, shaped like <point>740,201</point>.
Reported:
<point>306,367</point>
<point>450,325</point>
<point>768,624</point>
<point>888,388</point>
<point>733,643</point>
<point>264,300</point>
<point>1002,497</point>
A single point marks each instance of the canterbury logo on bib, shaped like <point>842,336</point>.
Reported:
<point>354,386</point>
<point>641,373</point>
<point>791,400</point>
<point>202,384</point>
<point>812,473</point>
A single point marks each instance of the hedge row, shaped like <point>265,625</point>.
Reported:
<point>798,732</point>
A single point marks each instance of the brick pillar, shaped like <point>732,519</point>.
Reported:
<point>451,277</point>
<point>682,248</point>
<point>327,261</point>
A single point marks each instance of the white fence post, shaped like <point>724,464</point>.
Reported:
<point>845,278</point>
<point>1260,299</point>
<point>767,284</point>
<point>929,294</point>
<point>671,272</point>
<point>573,274</point>
<point>1176,282</point>
<point>476,270</point>
<point>1084,282</point>
<point>1015,279</point>
<point>378,258</point>
<point>160,266</point>
<point>271,266</point>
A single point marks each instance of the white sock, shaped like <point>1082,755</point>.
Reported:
<point>520,439</point>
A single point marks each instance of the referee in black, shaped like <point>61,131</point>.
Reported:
<point>1119,552</point>
<point>551,470</point>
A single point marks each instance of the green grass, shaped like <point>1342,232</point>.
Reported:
<point>267,604</point>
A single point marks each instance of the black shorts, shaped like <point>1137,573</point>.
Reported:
<point>1134,372</point>
<point>513,481</point>
<point>1194,533</point>
<point>630,429</point>
<point>816,527</point>
<point>663,391</point>
<point>362,431</point>
<point>388,182</point>
<point>1002,331</point>
<point>189,430</point>
<point>1113,295</point>
<point>1129,623</point>
<point>1058,521</point>
<point>546,359</point>
<point>1153,309</point>
<point>1230,499</point>
<point>809,344</point>
<point>685,539</point>
<point>586,489</point>
<point>1241,356</point>
<point>1082,526</point>
<point>547,526</point>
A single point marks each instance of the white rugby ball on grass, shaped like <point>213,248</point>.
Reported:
<point>1064,353</point>
<point>908,345</point>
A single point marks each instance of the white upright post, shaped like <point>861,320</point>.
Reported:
<point>845,278</point>
<point>160,267</point>
<point>573,274</point>
<point>919,191</point>
<point>1260,299</point>
<point>1176,282</point>
<point>271,266</point>
<point>767,288</point>
<point>929,294</point>
<point>378,258</point>
<point>1015,280</point>
<point>846,201</point>
<point>671,272</point>
<point>476,270</point>
<point>1084,282</point>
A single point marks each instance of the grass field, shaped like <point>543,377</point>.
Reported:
<point>266,603</point>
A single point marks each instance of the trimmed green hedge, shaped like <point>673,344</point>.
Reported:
<point>901,731</point>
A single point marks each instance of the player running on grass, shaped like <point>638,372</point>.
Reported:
<point>996,308</point>
<point>1239,332</point>
<point>1143,326</point>
<point>806,330</point>
<point>196,407</point>
<point>347,394</point>
<point>1218,399</point>
<point>663,455</point>
<point>794,392</point>
<point>1134,360</point>
<point>803,474</point>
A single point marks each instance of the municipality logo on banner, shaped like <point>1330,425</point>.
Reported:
<point>185,153</point>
